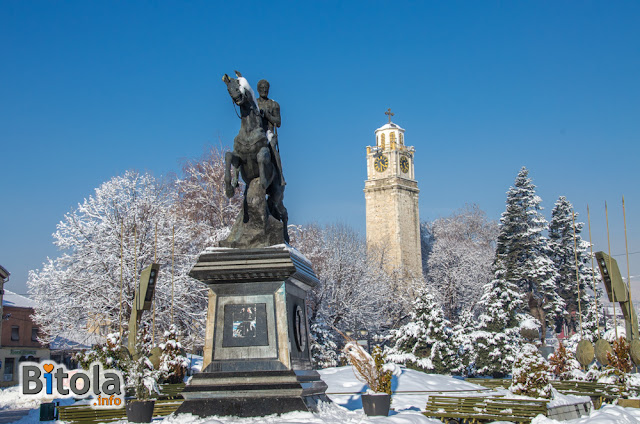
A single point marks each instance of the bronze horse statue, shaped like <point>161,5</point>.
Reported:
<point>252,156</point>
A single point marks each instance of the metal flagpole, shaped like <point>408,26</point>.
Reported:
<point>626,246</point>
<point>173,243</point>
<point>613,292</point>
<point>575,251</point>
<point>121,276</point>
<point>593,271</point>
<point>155,257</point>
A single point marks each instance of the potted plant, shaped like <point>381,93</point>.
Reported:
<point>143,379</point>
<point>372,370</point>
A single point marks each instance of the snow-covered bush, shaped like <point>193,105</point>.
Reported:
<point>426,342</point>
<point>111,354</point>
<point>531,374</point>
<point>142,376</point>
<point>173,363</point>
<point>563,365</point>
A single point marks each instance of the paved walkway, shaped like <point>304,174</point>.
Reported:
<point>12,415</point>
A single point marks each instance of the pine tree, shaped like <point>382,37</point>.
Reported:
<point>563,253</point>
<point>323,346</point>
<point>497,338</point>
<point>426,342</point>
<point>522,255</point>
<point>462,333</point>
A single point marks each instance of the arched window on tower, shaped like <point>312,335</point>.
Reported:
<point>382,140</point>
<point>401,138</point>
<point>392,137</point>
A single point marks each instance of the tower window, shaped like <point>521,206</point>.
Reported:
<point>382,140</point>
<point>401,138</point>
<point>392,137</point>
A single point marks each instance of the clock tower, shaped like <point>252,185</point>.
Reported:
<point>391,196</point>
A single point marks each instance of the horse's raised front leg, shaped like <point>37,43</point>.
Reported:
<point>229,189</point>
<point>264,159</point>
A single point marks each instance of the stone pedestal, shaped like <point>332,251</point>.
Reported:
<point>257,359</point>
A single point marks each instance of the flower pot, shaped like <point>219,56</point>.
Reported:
<point>376,404</point>
<point>140,411</point>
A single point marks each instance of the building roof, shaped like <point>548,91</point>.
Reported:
<point>13,299</point>
<point>4,274</point>
<point>390,126</point>
<point>75,340</point>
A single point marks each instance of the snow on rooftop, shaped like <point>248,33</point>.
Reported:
<point>390,126</point>
<point>76,339</point>
<point>13,299</point>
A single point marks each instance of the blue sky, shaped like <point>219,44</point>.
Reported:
<point>91,89</point>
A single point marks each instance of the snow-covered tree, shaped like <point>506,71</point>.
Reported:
<point>173,363</point>
<point>462,338</point>
<point>531,373</point>
<point>142,377</point>
<point>563,252</point>
<point>354,289</point>
<point>324,345</point>
<point>105,243</point>
<point>460,261</point>
<point>202,199</point>
<point>496,339</point>
<point>426,342</point>
<point>522,254</point>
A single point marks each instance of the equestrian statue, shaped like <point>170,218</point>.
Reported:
<point>262,221</point>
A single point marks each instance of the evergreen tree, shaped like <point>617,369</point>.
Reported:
<point>462,333</point>
<point>497,338</point>
<point>426,341</point>
<point>563,253</point>
<point>323,346</point>
<point>522,254</point>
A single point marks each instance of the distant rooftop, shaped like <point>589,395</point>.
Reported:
<point>13,299</point>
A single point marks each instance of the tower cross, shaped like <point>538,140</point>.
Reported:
<point>389,114</point>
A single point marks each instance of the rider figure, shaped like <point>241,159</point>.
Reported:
<point>270,121</point>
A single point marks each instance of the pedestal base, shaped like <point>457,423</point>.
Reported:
<point>253,394</point>
<point>256,358</point>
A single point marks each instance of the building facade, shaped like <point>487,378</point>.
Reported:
<point>391,197</point>
<point>19,338</point>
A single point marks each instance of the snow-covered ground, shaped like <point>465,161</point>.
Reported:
<point>411,389</point>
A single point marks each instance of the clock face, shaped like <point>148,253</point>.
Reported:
<point>404,164</point>
<point>381,163</point>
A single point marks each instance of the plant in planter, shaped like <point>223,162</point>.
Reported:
<point>143,379</point>
<point>377,374</point>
